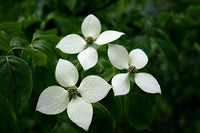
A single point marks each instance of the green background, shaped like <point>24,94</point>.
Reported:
<point>167,30</point>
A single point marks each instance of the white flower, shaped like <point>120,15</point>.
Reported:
<point>56,99</point>
<point>136,59</point>
<point>91,28</point>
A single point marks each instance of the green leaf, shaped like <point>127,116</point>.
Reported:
<point>15,80</point>
<point>4,41</point>
<point>51,39</point>
<point>11,28</point>
<point>168,50</point>
<point>38,33</point>
<point>42,120</point>
<point>71,4</point>
<point>8,122</point>
<point>38,56</point>
<point>138,110</point>
<point>167,47</point>
<point>142,42</point>
<point>47,71</point>
<point>8,30</point>
<point>113,104</point>
<point>44,47</point>
<point>103,121</point>
<point>164,18</point>
<point>18,42</point>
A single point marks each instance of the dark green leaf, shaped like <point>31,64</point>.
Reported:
<point>164,18</point>
<point>138,110</point>
<point>4,41</point>
<point>39,57</point>
<point>103,121</point>
<point>44,47</point>
<point>114,105</point>
<point>44,76</point>
<point>8,122</point>
<point>168,50</point>
<point>71,4</point>
<point>15,80</point>
<point>11,28</point>
<point>18,42</point>
<point>51,39</point>
<point>37,34</point>
<point>142,42</point>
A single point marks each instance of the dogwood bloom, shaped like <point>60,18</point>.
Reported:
<point>56,99</point>
<point>136,59</point>
<point>91,28</point>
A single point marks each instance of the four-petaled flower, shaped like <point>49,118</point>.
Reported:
<point>137,59</point>
<point>56,99</point>
<point>91,28</point>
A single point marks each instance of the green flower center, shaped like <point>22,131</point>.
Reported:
<point>131,69</point>
<point>89,40</point>
<point>72,90</point>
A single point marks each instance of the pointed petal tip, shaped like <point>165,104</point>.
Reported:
<point>108,36</point>
<point>147,83</point>
<point>81,118</point>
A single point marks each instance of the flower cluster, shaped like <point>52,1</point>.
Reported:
<point>78,100</point>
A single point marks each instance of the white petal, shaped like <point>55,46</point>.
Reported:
<point>71,44</point>
<point>138,58</point>
<point>53,100</point>
<point>91,26</point>
<point>147,83</point>
<point>66,73</point>
<point>93,88</point>
<point>108,36</point>
<point>80,112</point>
<point>88,58</point>
<point>118,56</point>
<point>121,84</point>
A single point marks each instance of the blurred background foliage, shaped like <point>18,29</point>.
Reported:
<point>167,30</point>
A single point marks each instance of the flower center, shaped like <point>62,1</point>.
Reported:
<point>131,69</point>
<point>89,40</point>
<point>72,90</point>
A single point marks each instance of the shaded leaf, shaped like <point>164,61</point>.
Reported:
<point>103,121</point>
<point>8,120</point>
<point>18,42</point>
<point>11,28</point>
<point>114,105</point>
<point>138,110</point>
<point>15,80</point>
<point>142,42</point>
